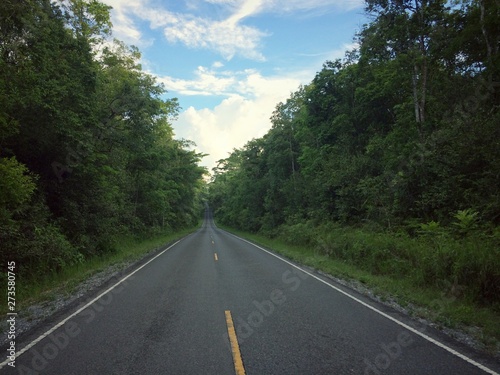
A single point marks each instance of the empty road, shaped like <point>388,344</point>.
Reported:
<point>215,304</point>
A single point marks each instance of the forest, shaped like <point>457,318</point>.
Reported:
<point>87,150</point>
<point>389,159</point>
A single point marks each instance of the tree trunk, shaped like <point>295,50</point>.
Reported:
<point>415,93</point>
<point>485,34</point>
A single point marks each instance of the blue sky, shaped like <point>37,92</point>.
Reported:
<point>230,62</point>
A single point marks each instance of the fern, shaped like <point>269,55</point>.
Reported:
<point>467,221</point>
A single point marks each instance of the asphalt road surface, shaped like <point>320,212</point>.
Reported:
<point>215,304</point>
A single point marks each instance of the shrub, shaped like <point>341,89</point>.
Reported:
<point>297,234</point>
<point>466,221</point>
<point>435,258</point>
<point>430,228</point>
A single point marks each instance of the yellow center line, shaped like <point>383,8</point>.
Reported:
<point>235,348</point>
<point>215,256</point>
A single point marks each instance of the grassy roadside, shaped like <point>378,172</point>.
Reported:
<point>438,304</point>
<point>35,291</point>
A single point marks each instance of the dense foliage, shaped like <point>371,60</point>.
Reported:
<point>402,136</point>
<point>86,147</point>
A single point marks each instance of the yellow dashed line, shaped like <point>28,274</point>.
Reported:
<point>235,348</point>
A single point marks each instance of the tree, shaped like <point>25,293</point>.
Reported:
<point>408,30</point>
<point>88,19</point>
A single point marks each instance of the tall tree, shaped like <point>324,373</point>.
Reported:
<point>406,29</point>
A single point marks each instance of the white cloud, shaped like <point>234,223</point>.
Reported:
<point>243,115</point>
<point>205,82</point>
<point>124,26</point>
<point>248,83</point>
<point>247,8</point>
<point>229,125</point>
<point>225,37</point>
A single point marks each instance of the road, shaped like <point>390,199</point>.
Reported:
<point>215,304</point>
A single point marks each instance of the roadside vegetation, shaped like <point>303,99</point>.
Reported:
<point>388,162</point>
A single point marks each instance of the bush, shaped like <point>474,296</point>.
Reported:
<point>35,243</point>
<point>431,228</point>
<point>297,234</point>
<point>466,221</point>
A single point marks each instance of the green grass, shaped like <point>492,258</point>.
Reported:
<point>129,249</point>
<point>432,302</point>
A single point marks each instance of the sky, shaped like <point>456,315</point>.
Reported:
<point>230,62</point>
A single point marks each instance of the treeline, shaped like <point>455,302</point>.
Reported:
<point>86,145</point>
<point>401,137</point>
